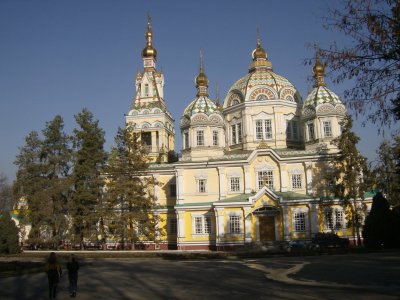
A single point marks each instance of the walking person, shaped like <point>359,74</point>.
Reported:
<point>54,271</point>
<point>73,267</point>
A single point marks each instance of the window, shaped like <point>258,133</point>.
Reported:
<point>265,178</point>
<point>186,140</point>
<point>146,90</point>
<point>201,186</point>
<point>215,137</point>
<point>198,225</point>
<point>292,132</point>
<point>236,133</point>
<point>200,138</point>
<point>202,225</point>
<point>296,181</point>
<point>141,227</point>
<point>311,133</point>
<point>263,129</point>
<point>261,97</point>
<point>235,184</point>
<point>299,221</point>
<point>235,102</point>
<point>334,219</point>
<point>234,224</point>
<point>172,190</point>
<point>172,226</point>
<point>327,128</point>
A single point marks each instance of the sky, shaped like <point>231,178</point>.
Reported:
<point>58,57</point>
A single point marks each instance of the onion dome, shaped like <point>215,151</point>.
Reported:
<point>202,104</point>
<point>320,94</point>
<point>260,58</point>
<point>201,79</point>
<point>261,83</point>
<point>149,50</point>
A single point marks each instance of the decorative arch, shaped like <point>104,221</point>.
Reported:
<point>146,125</point>
<point>156,111</point>
<point>325,108</point>
<point>133,112</point>
<point>263,94</point>
<point>145,112</point>
<point>288,95</point>
<point>158,124</point>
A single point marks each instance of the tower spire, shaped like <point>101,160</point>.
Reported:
<point>318,71</point>
<point>201,79</point>
<point>217,103</point>
<point>149,51</point>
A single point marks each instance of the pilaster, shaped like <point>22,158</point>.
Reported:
<point>283,174</point>
<point>222,183</point>
<point>247,183</point>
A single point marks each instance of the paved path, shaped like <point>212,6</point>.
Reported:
<point>296,278</point>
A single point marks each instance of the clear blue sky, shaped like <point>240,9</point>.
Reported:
<point>57,57</point>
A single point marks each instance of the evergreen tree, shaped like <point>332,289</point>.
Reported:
<point>387,170</point>
<point>350,175</point>
<point>9,239</point>
<point>377,231</point>
<point>28,188</point>
<point>130,197</point>
<point>89,162</point>
<point>6,202</point>
<point>55,157</point>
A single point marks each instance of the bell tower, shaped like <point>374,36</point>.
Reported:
<point>149,115</point>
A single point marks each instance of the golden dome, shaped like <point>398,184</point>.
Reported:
<point>259,52</point>
<point>201,79</point>
<point>318,71</point>
<point>149,50</point>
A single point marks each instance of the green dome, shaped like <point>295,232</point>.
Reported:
<point>321,94</point>
<point>201,104</point>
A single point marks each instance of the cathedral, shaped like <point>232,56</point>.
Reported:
<point>251,168</point>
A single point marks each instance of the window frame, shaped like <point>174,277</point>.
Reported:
<point>263,129</point>
<point>201,185</point>
<point>299,221</point>
<point>215,137</point>
<point>296,181</point>
<point>235,224</point>
<point>234,184</point>
<point>200,138</point>
<point>327,129</point>
<point>260,180</point>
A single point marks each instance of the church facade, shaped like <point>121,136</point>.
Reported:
<point>251,169</point>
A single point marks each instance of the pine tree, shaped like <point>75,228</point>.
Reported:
<point>350,175</point>
<point>9,239</point>
<point>89,162</point>
<point>6,202</point>
<point>386,170</point>
<point>29,187</point>
<point>378,229</point>
<point>130,197</point>
<point>55,157</point>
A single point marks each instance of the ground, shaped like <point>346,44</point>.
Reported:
<point>346,276</point>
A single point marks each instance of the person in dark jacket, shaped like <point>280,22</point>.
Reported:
<point>73,267</point>
<point>54,271</point>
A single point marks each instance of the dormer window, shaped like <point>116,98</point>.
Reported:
<point>262,97</point>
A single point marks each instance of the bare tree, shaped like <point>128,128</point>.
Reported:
<point>371,61</point>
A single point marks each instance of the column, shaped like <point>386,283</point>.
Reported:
<point>314,224</point>
<point>180,216</point>
<point>222,183</point>
<point>308,172</point>
<point>286,225</point>
<point>247,225</point>
<point>247,183</point>
<point>156,187</point>
<point>179,187</point>
<point>153,142</point>
<point>284,187</point>
<point>219,226</point>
